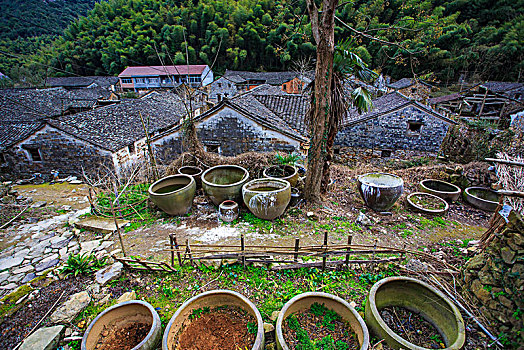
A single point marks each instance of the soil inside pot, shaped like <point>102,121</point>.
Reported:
<point>226,328</point>
<point>318,328</point>
<point>280,171</point>
<point>122,338</point>
<point>412,327</point>
<point>428,202</point>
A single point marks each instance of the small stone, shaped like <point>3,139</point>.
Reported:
<point>363,219</point>
<point>353,304</point>
<point>268,327</point>
<point>46,338</point>
<point>23,269</point>
<point>39,204</point>
<point>11,261</point>
<point>9,286</point>
<point>482,294</point>
<point>4,276</point>
<point>89,246</point>
<point>274,315</point>
<point>71,308</point>
<point>47,264</point>
<point>127,297</point>
<point>104,300</point>
<point>508,255</point>
<point>311,216</point>
<point>109,273</point>
<point>28,277</point>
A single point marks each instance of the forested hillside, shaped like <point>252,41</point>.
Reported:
<point>28,18</point>
<point>484,39</point>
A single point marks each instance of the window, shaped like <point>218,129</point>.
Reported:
<point>413,90</point>
<point>34,154</point>
<point>336,151</point>
<point>127,81</point>
<point>213,148</point>
<point>385,153</point>
<point>139,81</point>
<point>414,127</point>
<point>219,85</point>
<point>219,97</point>
<point>131,148</point>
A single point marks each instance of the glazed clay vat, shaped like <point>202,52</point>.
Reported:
<point>283,172</point>
<point>267,198</point>
<point>440,188</point>
<point>482,198</point>
<point>193,171</point>
<point>380,190</point>
<point>224,182</point>
<point>212,299</point>
<point>228,211</point>
<point>340,306</point>
<point>418,297</point>
<point>121,315</point>
<point>413,204</point>
<point>173,194</point>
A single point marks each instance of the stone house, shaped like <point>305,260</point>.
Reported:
<point>415,89</point>
<point>109,137</point>
<point>262,119</point>
<point>395,123</point>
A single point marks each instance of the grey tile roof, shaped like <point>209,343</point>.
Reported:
<point>32,104</point>
<point>402,83</point>
<point>290,108</point>
<point>266,104</point>
<point>116,126</point>
<point>82,82</point>
<point>387,104</point>
<point>271,78</point>
<point>445,98</point>
<point>502,86</point>
<point>13,132</point>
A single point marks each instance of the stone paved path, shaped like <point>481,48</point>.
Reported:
<point>47,245</point>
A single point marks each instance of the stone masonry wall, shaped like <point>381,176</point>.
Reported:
<point>391,132</point>
<point>58,151</point>
<point>495,278</point>
<point>232,133</point>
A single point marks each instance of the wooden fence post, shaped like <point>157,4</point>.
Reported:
<point>172,246</point>
<point>350,238</point>
<point>297,244</point>
<point>243,248</point>
<point>177,251</point>
<point>324,258</point>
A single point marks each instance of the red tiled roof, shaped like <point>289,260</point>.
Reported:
<point>163,70</point>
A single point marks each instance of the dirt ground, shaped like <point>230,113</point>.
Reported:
<point>57,194</point>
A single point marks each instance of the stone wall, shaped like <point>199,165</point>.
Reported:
<point>228,133</point>
<point>391,132</point>
<point>58,151</point>
<point>495,278</point>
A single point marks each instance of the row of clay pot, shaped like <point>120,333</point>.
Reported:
<point>266,198</point>
<point>380,191</point>
<point>406,292</point>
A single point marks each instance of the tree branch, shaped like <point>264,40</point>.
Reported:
<point>371,37</point>
<point>313,16</point>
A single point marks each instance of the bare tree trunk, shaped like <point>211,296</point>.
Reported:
<point>324,33</point>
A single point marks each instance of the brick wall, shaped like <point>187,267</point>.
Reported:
<point>58,151</point>
<point>232,133</point>
<point>391,132</point>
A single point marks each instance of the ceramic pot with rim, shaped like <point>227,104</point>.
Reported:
<point>380,191</point>
<point>193,171</point>
<point>267,198</point>
<point>122,315</point>
<point>224,182</point>
<point>284,172</point>
<point>228,211</point>
<point>173,194</point>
